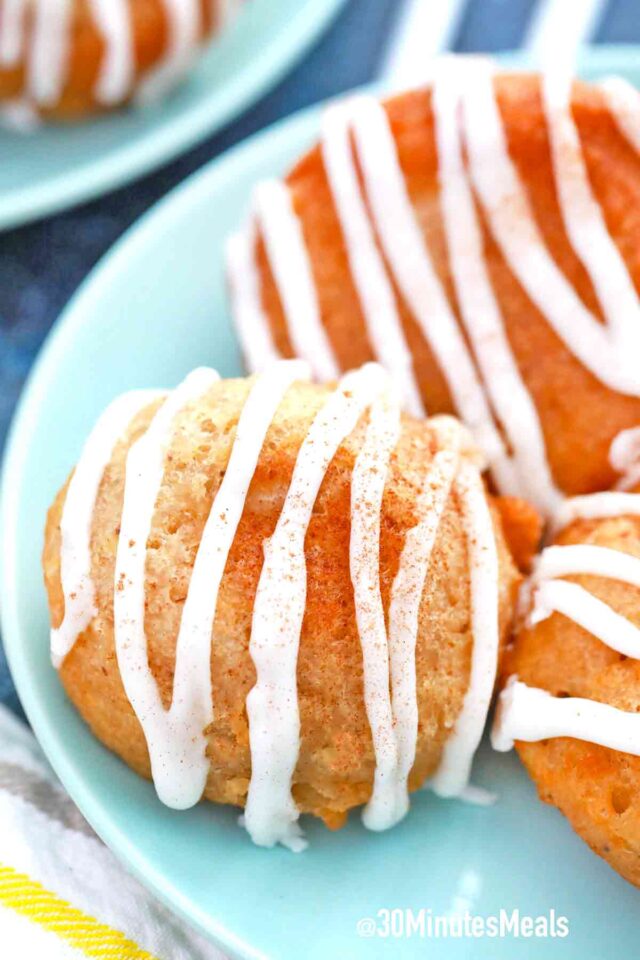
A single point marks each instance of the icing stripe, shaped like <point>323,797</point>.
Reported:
<point>19,115</point>
<point>196,625</point>
<point>479,308</point>
<point>593,615</point>
<point>272,705</point>
<point>407,254</point>
<point>623,102</point>
<point>372,284</point>
<point>584,220</point>
<point>183,20</point>
<point>117,68</point>
<point>11,31</point>
<point>176,738</point>
<point>252,323</point>
<point>578,604</point>
<point>49,52</point>
<point>526,713</point>
<point>77,515</point>
<point>529,714</point>
<point>367,487</point>
<point>624,457</point>
<point>571,559</point>
<point>49,42</point>
<point>175,750</point>
<point>404,607</point>
<point>596,506</point>
<point>284,243</point>
<point>452,776</point>
<point>507,207</point>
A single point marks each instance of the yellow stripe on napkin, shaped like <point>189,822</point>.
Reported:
<point>30,899</point>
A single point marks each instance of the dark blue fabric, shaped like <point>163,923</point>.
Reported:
<point>620,22</point>
<point>42,264</point>
<point>491,25</point>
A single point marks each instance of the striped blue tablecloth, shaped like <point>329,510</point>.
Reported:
<point>42,264</point>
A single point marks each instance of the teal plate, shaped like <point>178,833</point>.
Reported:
<point>56,167</point>
<point>152,310</point>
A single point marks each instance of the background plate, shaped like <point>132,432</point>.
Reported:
<point>152,310</point>
<point>56,167</point>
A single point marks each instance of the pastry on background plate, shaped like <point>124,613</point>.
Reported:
<point>63,59</point>
<point>480,237</point>
<point>282,596</point>
<point>572,704</point>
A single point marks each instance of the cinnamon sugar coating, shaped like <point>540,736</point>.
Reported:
<point>579,415</point>
<point>336,763</point>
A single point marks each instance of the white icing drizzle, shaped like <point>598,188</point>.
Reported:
<point>12,14</point>
<point>49,51</point>
<point>406,597</point>
<point>77,514</point>
<point>477,796</point>
<point>272,705</point>
<point>593,615</point>
<point>183,19</point>
<point>452,776</point>
<point>117,67</point>
<point>194,639</point>
<point>372,284</point>
<point>381,212</point>
<point>176,738</point>
<point>49,41</point>
<point>624,457</point>
<point>367,487</point>
<point>287,253</point>
<point>19,116</point>
<point>479,308</point>
<point>575,602</point>
<point>576,558</point>
<point>409,259</point>
<point>504,199</point>
<point>176,748</point>
<point>258,347</point>
<point>585,223</point>
<point>530,714</point>
<point>596,506</point>
<point>623,101</point>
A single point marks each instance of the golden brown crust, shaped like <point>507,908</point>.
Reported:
<point>336,763</point>
<point>149,32</point>
<point>579,415</point>
<point>522,526</point>
<point>596,788</point>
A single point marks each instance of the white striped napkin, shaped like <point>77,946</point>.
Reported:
<point>555,32</point>
<point>63,895</point>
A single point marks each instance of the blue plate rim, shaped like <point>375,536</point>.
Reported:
<point>159,147</point>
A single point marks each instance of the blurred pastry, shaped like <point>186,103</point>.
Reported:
<point>63,59</point>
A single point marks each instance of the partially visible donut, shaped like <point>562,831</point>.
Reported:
<point>281,596</point>
<point>572,705</point>
<point>62,59</point>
